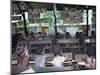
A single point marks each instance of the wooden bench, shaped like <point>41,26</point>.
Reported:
<point>46,44</point>
<point>69,44</point>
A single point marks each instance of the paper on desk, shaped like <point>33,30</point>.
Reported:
<point>30,70</point>
<point>81,63</point>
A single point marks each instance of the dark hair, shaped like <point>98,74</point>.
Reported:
<point>68,35</point>
<point>32,33</point>
<point>39,50</point>
<point>39,32</point>
<point>57,52</point>
<point>93,34</point>
<point>19,35</point>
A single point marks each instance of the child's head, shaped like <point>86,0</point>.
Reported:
<point>57,53</point>
<point>38,51</point>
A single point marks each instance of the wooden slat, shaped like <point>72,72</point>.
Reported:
<point>22,42</point>
<point>90,41</point>
<point>41,42</point>
<point>60,41</point>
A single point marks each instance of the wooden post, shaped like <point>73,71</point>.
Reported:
<point>55,22</point>
<point>25,28</point>
<point>23,15</point>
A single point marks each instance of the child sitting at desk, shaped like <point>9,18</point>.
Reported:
<point>58,60</point>
<point>90,63</point>
<point>40,58</point>
<point>23,56</point>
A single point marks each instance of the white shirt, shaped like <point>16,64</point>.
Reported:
<point>40,60</point>
<point>91,63</point>
<point>58,61</point>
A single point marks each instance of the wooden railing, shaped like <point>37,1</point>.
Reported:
<point>68,43</point>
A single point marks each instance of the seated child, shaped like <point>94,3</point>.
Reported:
<point>90,63</point>
<point>58,60</point>
<point>40,58</point>
<point>23,56</point>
